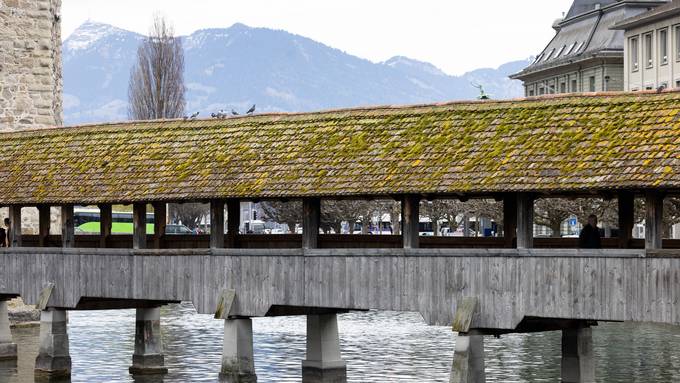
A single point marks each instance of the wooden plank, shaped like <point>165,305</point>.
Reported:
<point>43,225</point>
<point>525,221</point>
<point>160,218</point>
<point>510,219</point>
<point>14,234</point>
<point>216,224</point>
<point>653,220</point>
<point>105,224</point>
<point>67,227</point>
<point>311,216</point>
<point>139,226</point>
<point>626,201</point>
<point>233,222</point>
<point>410,218</point>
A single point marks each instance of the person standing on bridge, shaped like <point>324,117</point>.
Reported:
<point>3,237</point>
<point>590,234</point>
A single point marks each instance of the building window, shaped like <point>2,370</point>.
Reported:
<point>677,83</point>
<point>549,55</point>
<point>571,49</point>
<point>634,54</point>
<point>531,93</point>
<point>649,51</point>
<point>560,51</point>
<point>541,91</point>
<point>663,47</point>
<point>591,83</point>
<point>563,87</point>
<point>677,42</point>
<point>574,86</point>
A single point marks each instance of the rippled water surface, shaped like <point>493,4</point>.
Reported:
<point>378,347</point>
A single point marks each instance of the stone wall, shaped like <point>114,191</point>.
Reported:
<point>30,64</point>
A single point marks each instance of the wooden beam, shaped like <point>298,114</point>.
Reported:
<point>626,201</point>
<point>410,218</point>
<point>525,221</point>
<point>233,222</point>
<point>68,238</point>
<point>105,224</point>
<point>14,229</point>
<point>510,219</point>
<point>139,225</point>
<point>160,217</point>
<point>44,218</point>
<point>216,224</point>
<point>311,217</point>
<point>653,219</point>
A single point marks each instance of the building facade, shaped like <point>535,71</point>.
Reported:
<point>586,54</point>
<point>30,64</point>
<point>652,52</point>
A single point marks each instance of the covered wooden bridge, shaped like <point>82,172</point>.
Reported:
<point>622,146</point>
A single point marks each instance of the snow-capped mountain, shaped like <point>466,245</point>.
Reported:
<point>239,66</point>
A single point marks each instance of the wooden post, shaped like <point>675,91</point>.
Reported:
<point>43,225</point>
<point>139,225</point>
<point>626,218</point>
<point>311,217</point>
<point>233,222</point>
<point>410,218</point>
<point>105,224</point>
<point>525,221</point>
<point>68,238</point>
<point>14,234</point>
<point>160,215</point>
<point>216,224</point>
<point>654,219</point>
<point>510,219</point>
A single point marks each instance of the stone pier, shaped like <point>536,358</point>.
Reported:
<point>8,349</point>
<point>53,358</point>
<point>238,364</point>
<point>148,357</point>
<point>578,365</point>
<point>324,362</point>
<point>468,359</point>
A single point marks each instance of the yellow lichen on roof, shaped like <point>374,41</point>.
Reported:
<point>584,142</point>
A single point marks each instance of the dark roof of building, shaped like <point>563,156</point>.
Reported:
<point>551,144</point>
<point>586,33</point>
<point>661,12</point>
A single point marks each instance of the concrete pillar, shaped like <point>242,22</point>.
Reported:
<point>468,359</point>
<point>148,357</point>
<point>8,349</point>
<point>233,222</point>
<point>68,239</point>
<point>525,221</point>
<point>311,219</point>
<point>216,224</point>
<point>410,220</point>
<point>238,363</point>
<point>324,362</point>
<point>577,356</point>
<point>53,358</point>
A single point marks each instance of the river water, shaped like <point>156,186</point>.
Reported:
<point>378,347</point>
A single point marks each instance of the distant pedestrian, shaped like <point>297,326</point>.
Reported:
<point>590,234</point>
<point>7,233</point>
<point>3,237</point>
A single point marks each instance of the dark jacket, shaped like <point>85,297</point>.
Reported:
<point>589,238</point>
<point>3,237</point>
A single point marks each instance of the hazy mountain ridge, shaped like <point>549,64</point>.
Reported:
<point>239,66</point>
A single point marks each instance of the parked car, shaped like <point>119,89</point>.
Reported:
<point>177,229</point>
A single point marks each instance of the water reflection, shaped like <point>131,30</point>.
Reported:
<point>378,347</point>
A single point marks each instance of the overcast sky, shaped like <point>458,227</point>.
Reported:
<point>455,35</point>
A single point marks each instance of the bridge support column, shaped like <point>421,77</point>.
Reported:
<point>577,356</point>
<point>53,358</point>
<point>148,357</point>
<point>468,359</point>
<point>8,349</point>
<point>324,362</point>
<point>238,363</point>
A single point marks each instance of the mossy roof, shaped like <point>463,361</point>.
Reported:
<point>554,144</point>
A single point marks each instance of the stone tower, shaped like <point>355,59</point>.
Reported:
<point>30,64</point>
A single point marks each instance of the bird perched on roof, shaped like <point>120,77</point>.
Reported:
<point>661,88</point>
<point>251,110</point>
<point>193,116</point>
<point>234,113</point>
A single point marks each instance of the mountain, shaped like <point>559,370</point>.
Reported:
<point>239,66</point>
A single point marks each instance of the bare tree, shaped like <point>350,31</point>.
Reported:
<point>156,88</point>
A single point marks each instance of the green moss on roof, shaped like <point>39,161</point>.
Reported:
<point>551,144</point>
